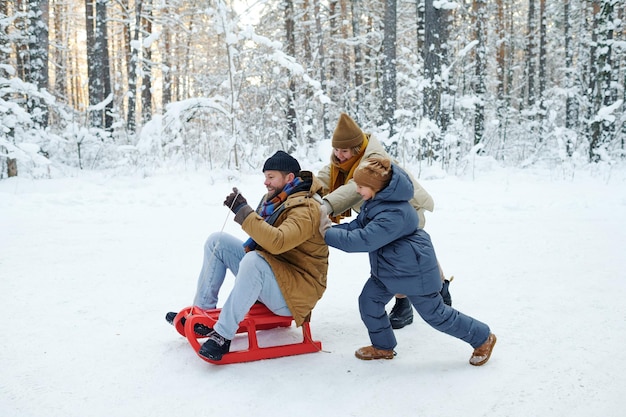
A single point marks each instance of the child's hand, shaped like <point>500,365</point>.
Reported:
<point>325,222</point>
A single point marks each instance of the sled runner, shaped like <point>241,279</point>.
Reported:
<point>258,318</point>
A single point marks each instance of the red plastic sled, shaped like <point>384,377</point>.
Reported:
<point>258,318</point>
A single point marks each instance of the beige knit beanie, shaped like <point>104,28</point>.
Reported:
<point>374,172</point>
<point>347,133</point>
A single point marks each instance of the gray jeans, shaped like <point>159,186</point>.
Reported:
<point>254,281</point>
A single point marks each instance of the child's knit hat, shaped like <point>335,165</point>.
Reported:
<point>374,172</point>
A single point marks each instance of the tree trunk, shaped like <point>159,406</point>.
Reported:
<point>146,82</point>
<point>358,57</point>
<point>479,89</point>
<point>503,70</point>
<point>98,64</point>
<point>21,40</point>
<point>5,47</point>
<point>530,54</point>
<point>542,69</point>
<point>38,58</point>
<point>95,117</point>
<point>12,167</point>
<point>622,145</point>
<point>431,53</point>
<point>291,51</point>
<point>420,6</point>
<point>501,54</point>
<point>389,65</point>
<point>571,103</point>
<point>105,70</point>
<point>61,73</point>
<point>333,25</point>
<point>543,61</point>
<point>131,122</point>
<point>5,42</point>
<point>346,58</point>
<point>602,128</point>
<point>166,67</point>
<point>322,71</point>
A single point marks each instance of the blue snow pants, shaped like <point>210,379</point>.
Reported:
<point>431,308</point>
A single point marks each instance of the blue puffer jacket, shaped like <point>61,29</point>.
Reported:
<point>401,255</point>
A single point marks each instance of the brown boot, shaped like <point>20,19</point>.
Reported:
<point>370,352</point>
<point>482,354</point>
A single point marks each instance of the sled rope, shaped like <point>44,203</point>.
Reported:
<point>216,245</point>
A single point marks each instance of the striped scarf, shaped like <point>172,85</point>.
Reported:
<point>267,208</point>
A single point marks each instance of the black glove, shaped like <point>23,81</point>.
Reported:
<point>235,201</point>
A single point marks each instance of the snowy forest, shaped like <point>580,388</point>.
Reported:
<point>144,84</point>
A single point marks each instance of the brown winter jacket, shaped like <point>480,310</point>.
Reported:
<point>294,248</point>
<point>346,197</point>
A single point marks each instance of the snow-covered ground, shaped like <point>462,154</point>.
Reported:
<point>90,264</point>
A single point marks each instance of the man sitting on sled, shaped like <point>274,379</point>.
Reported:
<point>283,264</point>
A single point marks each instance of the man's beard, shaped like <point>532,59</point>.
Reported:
<point>272,194</point>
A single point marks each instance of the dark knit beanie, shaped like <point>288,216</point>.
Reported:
<point>282,161</point>
<point>347,133</point>
<point>374,172</point>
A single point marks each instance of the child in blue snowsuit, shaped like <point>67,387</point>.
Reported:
<point>402,261</point>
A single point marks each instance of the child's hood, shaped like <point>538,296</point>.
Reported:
<point>400,188</point>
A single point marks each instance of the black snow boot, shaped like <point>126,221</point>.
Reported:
<point>445,292</point>
<point>199,328</point>
<point>169,317</point>
<point>215,347</point>
<point>401,314</point>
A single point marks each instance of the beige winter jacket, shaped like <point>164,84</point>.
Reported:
<point>294,249</point>
<point>346,197</point>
